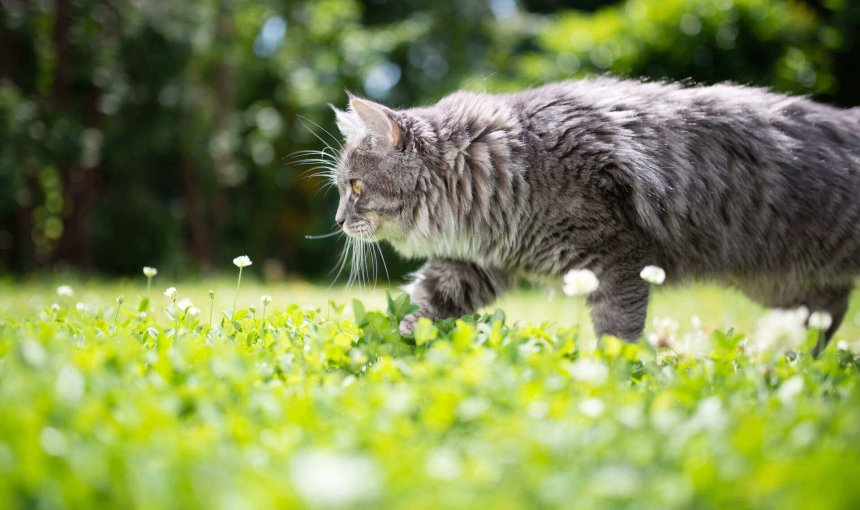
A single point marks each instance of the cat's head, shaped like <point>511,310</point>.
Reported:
<point>376,172</point>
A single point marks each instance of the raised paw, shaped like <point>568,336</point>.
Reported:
<point>407,325</point>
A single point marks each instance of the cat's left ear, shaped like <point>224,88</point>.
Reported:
<point>377,119</point>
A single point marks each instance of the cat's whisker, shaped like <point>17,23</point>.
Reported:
<point>381,257</point>
<point>344,255</point>
<point>327,145</point>
<point>336,140</point>
<point>323,236</point>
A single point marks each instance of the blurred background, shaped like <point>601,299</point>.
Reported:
<point>156,132</point>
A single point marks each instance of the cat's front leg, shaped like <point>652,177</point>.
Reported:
<point>620,304</point>
<point>445,288</point>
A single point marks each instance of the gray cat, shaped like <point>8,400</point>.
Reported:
<point>724,182</point>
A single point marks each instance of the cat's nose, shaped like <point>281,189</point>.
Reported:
<point>340,221</point>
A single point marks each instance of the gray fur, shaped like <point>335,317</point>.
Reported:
<point>725,182</point>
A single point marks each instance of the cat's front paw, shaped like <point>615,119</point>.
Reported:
<point>407,325</point>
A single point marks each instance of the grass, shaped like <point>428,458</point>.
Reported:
<point>325,405</point>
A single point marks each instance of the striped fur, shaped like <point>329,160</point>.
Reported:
<point>728,183</point>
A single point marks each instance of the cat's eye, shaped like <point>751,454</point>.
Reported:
<point>357,186</point>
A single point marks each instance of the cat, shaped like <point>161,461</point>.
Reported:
<point>725,182</point>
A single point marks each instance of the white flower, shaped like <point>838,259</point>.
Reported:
<point>592,407</point>
<point>653,274</point>
<point>266,299</point>
<point>242,261</point>
<point>820,321</point>
<point>694,345</point>
<point>665,331</point>
<point>324,478</point>
<point>790,389</point>
<point>55,308</point>
<point>184,303</point>
<point>170,292</point>
<point>70,384</point>
<point>65,291</point>
<point>588,370</point>
<point>149,271</point>
<point>780,330</point>
<point>580,282</point>
<point>193,311</point>
<point>81,307</point>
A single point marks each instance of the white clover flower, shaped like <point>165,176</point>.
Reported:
<point>70,384</point>
<point>694,345</point>
<point>149,272</point>
<point>324,478</point>
<point>65,291</point>
<point>592,407</point>
<point>266,299</point>
<point>790,389</point>
<point>580,282</point>
<point>842,345</point>
<point>170,292</point>
<point>664,334</point>
<point>820,321</point>
<point>55,308</point>
<point>780,330</point>
<point>81,307</point>
<point>242,261</point>
<point>588,370</point>
<point>653,274</point>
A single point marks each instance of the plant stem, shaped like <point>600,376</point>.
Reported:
<point>116,315</point>
<point>263,320</point>
<point>211,305</point>
<point>148,289</point>
<point>236,297</point>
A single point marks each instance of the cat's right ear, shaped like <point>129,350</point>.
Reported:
<point>350,125</point>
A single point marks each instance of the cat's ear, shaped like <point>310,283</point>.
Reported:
<point>376,118</point>
<point>350,125</point>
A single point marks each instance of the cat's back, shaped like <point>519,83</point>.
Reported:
<point>716,168</point>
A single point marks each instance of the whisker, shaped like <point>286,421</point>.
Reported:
<point>318,137</point>
<point>323,236</point>
<point>342,262</point>
<point>381,257</point>
<point>336,140</point>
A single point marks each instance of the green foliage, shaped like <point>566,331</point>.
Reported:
<point>757,42</point>
<point>332,407</point>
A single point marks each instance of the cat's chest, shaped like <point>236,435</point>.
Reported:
<point>471,249</point>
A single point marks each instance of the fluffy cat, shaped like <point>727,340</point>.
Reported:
<point>725,182</point>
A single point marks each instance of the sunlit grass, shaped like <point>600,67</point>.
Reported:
<point>321,403</point>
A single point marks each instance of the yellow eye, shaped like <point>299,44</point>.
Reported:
<point>357,186</point>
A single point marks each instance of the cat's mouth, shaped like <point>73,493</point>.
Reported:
<point>360,230</point>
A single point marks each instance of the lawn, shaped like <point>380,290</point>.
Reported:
<point>321,403</point>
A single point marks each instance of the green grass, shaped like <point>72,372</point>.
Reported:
<point>326,405</point>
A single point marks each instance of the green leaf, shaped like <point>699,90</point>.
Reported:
<point>425,331</point>
<point>358,311</point>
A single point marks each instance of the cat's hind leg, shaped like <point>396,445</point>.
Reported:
<point>445,288</point>
<point>619,306</point>
<point>834,301</point>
